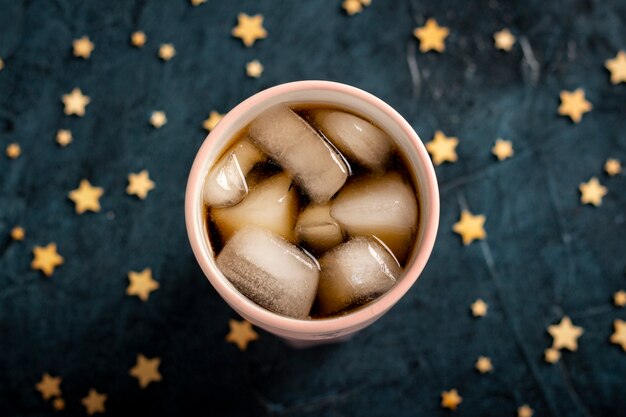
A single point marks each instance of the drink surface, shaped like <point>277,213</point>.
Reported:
<point>312,211</point>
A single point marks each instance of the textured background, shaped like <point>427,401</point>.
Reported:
<point>546,254</point>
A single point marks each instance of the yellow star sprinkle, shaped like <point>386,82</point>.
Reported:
<point>58,404</point>
<point>551,355</point>
<point>504,40</point>
<point>86,197</point>
<point>18,233</point>
<point>442,148</point>
<point>94,402</point>
<point>431,36</point>
<point>212,121</point>
<point>565,334</point>
<point>352,7</point>
<point>146,370</point>
<point>75,102</point>
<point>619,298</point>
<point>158,119</point>
<point>617,67</point>
<point>138,39</point>
<point>612,167</point>
<point>141,284</point>
<point>13,151</point>
<point>64,137</point>
<point>470,227</point>
<point>83,47</point>
<point>591,192</point>
<point>450,399</point>
<point>49,386</point>
<point>619,336</point>
<point>167,51</point>
<point>197,2</point>
<point>479,308</point>
<point>46,258</point>
<point>249,29</point>
<point>525,411</point>
<point>484,365</point>
<point>574,104</point>
<point>254,69</point>
<point>502,149</point>
<point>241,333</point>
<point>139,184</point>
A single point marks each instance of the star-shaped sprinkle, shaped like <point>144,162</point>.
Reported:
<point>86,197</point>
<point>167,51</point>
<point>565,334</point>
<point>442,148</point>
<point>49,386</point>
<point>612,167</point>
<point>158,119</point>
<point>241,333</point>
<point>450,399</point>
<point>141,284</point>
<point>504,39</point>
<point>249,29</point>
<point>138,39</point>
<point>484,365</point>
<point>502,149</point>
<point>46,258</point>
<point>619,298</point>
<point>619,336</point>
<point>139,184</point>
<point>94,402</point>
<point>431,36</point>
<point>197,2</point>
<point>58,404</point>
<point>591,192</point>
<point>574,104</point>
<point>83,47</point>
<point>479,308</point>
<point>617,67</point>
<point>525,411</point>
<point>146,370</point>
<point>18,233</point>
<point>212,121</point>
<point>64,137</point>
<point>352,7</point>
<point>75,102</point>
<point>13,151</point>
<point>254,69</point>
<point>551,355</point>
<point>470,227</point>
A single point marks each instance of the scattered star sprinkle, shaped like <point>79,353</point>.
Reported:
<point>502,149</point>
<point>504,40</point>
<point>619,336</point>
<point>617,67</point>
<point>612,167</point>
<point>212,121</point>
<point>138,39</point>
<point>591,192</point>
<point>565,334</point>
<point>197,2</point>
<point>86,197</point>
<point>451,399</point>
<point>139,184</point>
<point>13,151</point>
<point>352,7</point>
<point>442,148</point>
<point>146,370</point>
<point>46,258</point>
<point>158,119</point>
<point>58,404</point>
<point>241,333</point>
<point>484,365</point>
<point>479,308</point>
<point>141,284</point>
<point>75,102</point>
<point>470,227</point>
<point>619,298</point>
<point>254,69</point>
<point>431,36</point>
<point>167,51</point>
<point>83,47</point>
<point>49,386</point>
<point>551,355</point>
<point>64,137</point>
<point>18,233</point>
<point>525,411</point>
<point>249,29</point>
<point>574,104</point>
<point>94,402</point>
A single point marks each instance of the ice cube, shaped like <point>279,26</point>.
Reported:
<point>290,141</point>
<point>270,271</point>
<point>355,273</point>
<point>225,185</point>
<point>356,138</point>
<point>385,207</point>
<point>272,204</point>
<point>317,230</point>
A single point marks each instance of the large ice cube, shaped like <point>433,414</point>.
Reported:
<point>225,184</point>
<point>286,138</point>
<point>317,230</point>
<point>270,271</point>
<point>385,207</point>
<point>272,204</point>
<point>356,138</point>
<point>354,273</point>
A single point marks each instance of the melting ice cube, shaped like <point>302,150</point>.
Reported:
<point>317,230</point>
